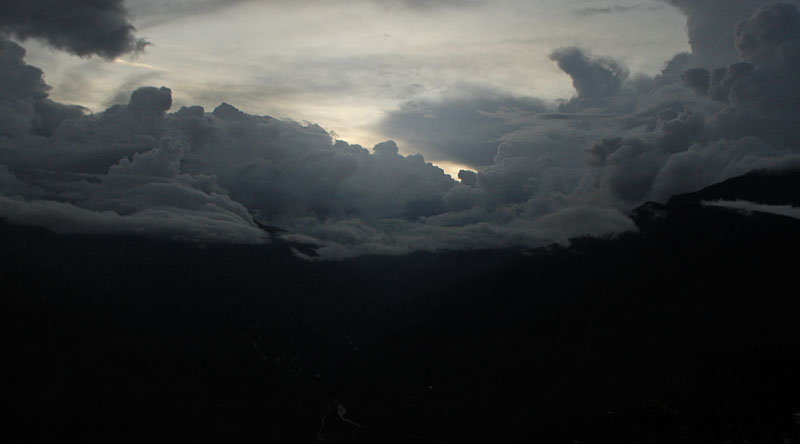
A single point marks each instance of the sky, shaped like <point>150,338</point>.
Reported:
<point>385,127</point>
<point>345,64</point>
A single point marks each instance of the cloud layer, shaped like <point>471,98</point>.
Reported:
<point>136,168</point>
<point>543,172</point>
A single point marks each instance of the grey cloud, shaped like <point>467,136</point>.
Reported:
<point>468,178</point>
<point>595,79</point>
<point>704,165</point>
<point>631,169</point>
<point>131,160</point>
<point>99,27</point>
<point>622,141</point>
<point>114,172</point>
<point>678,129</point>
<point>151,101</point>
<point>698,80</point>
<point>711,25</point>
<point>126,201</point>
<point>24,103</point>
<point>124,90</point>
<point>693,145</point>
<point>465,130</point>
<point>644,138</point>
<point>770,37</point>
<point>205,225</point>
<point>194,175</point>
<point>762,98</point>
<point>354,237</point>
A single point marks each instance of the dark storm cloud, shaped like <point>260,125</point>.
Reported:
<point>746,122</point>
<point>711,25</point>
<point>771,37</point>
<point>24,104</point>
<point>761,98</point>
<point>85,28</point>
<point>698,80</point>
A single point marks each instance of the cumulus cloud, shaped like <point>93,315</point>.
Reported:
<point>627,139</point>
<point>135,168</point>
<point>771,37</point>
<point>593,78</point>
<point>24,102</point>
<point>711,25</point>
<point>114,172</point>
<point>98,27</point>
<point>743,122</point>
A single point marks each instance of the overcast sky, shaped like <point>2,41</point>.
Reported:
<point>344,63</point>
<point>512,123</point>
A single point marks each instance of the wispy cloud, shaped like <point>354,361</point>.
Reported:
<point>614,9</point>
<point>136,64</point>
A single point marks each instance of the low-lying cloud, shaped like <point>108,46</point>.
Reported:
<point>753,207</point>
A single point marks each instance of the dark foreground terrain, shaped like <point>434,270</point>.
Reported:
<point>685,332</point>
